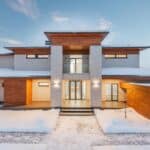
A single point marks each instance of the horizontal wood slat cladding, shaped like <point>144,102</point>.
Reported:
<point>32,50</point>
<point>120,50</point>
<point>84,39</point>
<point>15,91</point>
<point>138,98</point>
<point>75,52</point>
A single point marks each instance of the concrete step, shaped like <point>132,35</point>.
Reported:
<point>76,112</point>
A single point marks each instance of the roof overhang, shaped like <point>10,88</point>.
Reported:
<point>76,40</point>
<point>122,49</point>
<point>30,50</point>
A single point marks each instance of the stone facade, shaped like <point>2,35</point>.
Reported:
<point>56,75</point>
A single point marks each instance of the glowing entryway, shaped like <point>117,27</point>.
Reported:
<point>76,93</point>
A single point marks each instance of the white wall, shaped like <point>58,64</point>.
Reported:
<point>21,63</point>
<point>145,58</point>
<point>131,61</point>
<point>7,61</point>
<point>40,93</point>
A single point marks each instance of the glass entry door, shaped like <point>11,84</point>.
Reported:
<point>112,92</point>
<point>75,90</point>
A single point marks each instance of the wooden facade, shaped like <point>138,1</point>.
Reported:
<point>138,97</point>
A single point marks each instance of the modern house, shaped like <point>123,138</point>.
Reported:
<point>75,71</point>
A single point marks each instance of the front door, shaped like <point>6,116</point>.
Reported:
<point>75,90</point>
<point>112,92</point>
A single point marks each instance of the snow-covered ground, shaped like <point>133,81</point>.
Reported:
<point>28,121</point>
<point>23,147</point>
<point>122,147</point>
<point>113,121</point>
<point>74,133</point>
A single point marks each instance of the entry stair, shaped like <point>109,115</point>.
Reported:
<point>76,111</point>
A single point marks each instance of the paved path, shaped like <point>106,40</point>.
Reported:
<point>74,133</point>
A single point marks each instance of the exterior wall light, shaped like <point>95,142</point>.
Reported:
<point>96,83</point>
<point>56,83</point>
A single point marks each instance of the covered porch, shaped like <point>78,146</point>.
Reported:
<point>113,95</point>
<point>25,93</point>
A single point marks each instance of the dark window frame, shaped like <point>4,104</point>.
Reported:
<point>112,92</point>
<point>75,91</point>
<point>111,96</point>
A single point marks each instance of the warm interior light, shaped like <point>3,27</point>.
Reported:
<point>96,83</point>
<point>56,83</point>
<point>43,84</point>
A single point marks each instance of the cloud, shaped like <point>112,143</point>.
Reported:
<point>104,24</point>
<point>56,17</point>
<point>8,41</point>
<point>26,7</point>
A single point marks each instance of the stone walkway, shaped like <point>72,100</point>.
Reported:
<point>74,133</point>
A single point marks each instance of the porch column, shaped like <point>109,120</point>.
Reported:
<point>95,74</point>
<point>56,75</point>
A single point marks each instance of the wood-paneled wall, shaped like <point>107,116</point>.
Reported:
<point>138,97</point>
<point>17,91</point>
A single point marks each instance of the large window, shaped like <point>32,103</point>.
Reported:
<point>111,91</point>
<point>75,90</point>
<point>76,64</point>
<point>116,56</point>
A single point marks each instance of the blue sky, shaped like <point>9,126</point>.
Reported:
<point>22,22</point>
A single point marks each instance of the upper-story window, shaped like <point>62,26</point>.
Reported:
<point>31,56</point>
<point>76,64</point>
<point>36,56</point>
<point>116,56</point>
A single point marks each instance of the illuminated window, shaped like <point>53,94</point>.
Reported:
<point>109,56</point>
<point>116,56</point>
<point>36,56</point>
<point>31,56</point>
<point>121,55</point>
<point>111,91</point>
<point>42,56</point>
<point>43,84</point>
<point>75,90</point>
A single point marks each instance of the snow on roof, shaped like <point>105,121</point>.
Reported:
<point>141,84</point>
<point>76,31</point>
<point>20,73</point>
<point>126,46</point>
<point>5,51</point>
<point>126,71</point>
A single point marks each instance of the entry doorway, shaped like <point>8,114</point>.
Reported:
<point>75,90</point>
<point>112,92</point>
<point>76,93</point>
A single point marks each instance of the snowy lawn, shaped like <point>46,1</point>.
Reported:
<point>113,121</point>
<point>28,121</point>
<point>122,147</point>
<point>23,147</point>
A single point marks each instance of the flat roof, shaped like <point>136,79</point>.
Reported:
<point>7,73</point>
<point>126,71</point>
<point>125,47</point>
